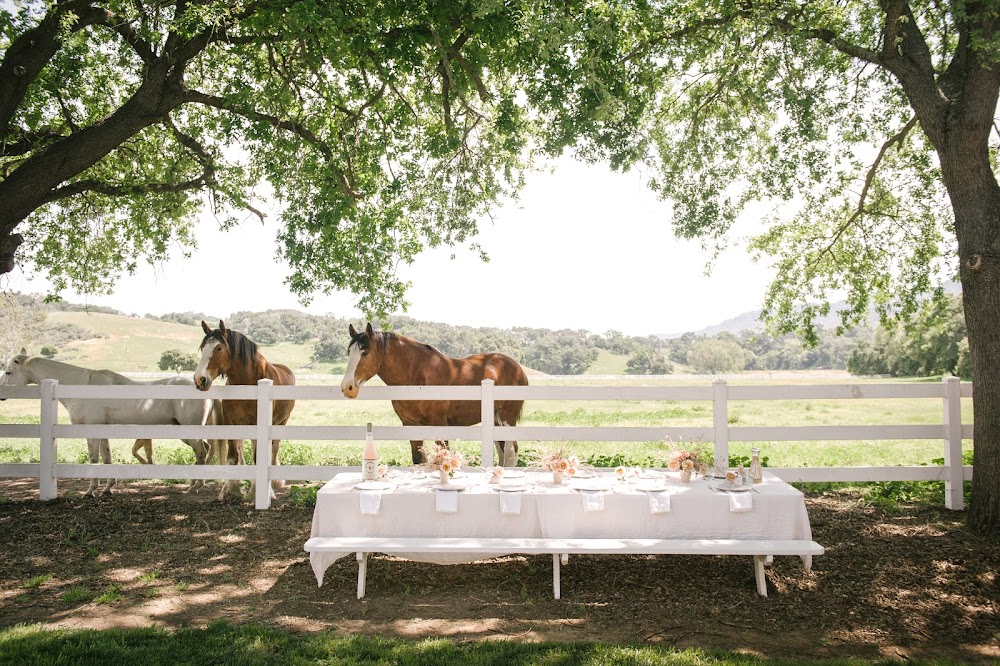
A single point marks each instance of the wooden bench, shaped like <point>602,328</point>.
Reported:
<point>762,550</point>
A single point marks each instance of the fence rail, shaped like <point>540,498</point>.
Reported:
<point>951,431</point>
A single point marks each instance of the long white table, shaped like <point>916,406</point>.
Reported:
<point>410,509</point>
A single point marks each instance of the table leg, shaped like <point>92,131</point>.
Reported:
<point>555,575</point>
<point>362,573</point>
<point>758,569</point>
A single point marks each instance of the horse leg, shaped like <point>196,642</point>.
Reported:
<point>276,484</point>
<point>145,445</point>
<point>93,451</point>
<point>507,450</point>
<point>105,446</point>
<point>234,456</point>
<point>507,453</point>
<point>215,451</point>
<point>200,448</point>
<point>417,451</point>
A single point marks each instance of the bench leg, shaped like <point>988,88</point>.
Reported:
<point>758,569</point>
<point>555,575</point>
<point>362,573</point>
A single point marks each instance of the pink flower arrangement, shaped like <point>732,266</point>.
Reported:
<point>443,459</point>
<point>558,461</point>
<point>695,460</point>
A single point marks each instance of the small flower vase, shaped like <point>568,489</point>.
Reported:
<point>557,477</point>
<point>685,476</point>
<point>444,477</point>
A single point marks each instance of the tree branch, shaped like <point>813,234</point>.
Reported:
<point>111,190</point>
<point>27,55</point>
<point>859,210</point>
<point>301,131</point>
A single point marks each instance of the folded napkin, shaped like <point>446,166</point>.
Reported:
<point>659,502</point>
<point>510,502</point>
<point>370,501</point>
<point>740,502</point>
<point>593,500</point>
<point>447,501</point>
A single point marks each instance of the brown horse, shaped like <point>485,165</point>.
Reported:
<point>400,361</point>
<point>234,356</point>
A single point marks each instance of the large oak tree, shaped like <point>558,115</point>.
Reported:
<point>382,127</point>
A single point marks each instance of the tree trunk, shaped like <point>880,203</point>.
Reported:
<point>982,302</point>
<point>975,197</point>
<point>33,184</point>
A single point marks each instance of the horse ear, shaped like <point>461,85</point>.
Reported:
<point>205,327</point>
<point>24,352</point>
<point>222,327</point>
<point>369,330</point>
<point>353,331</point>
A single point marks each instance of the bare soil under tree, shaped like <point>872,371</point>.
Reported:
<point>898,584</point>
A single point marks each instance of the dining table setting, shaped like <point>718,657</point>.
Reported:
<point>526,503</point>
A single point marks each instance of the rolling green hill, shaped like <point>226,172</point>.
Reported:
<point>130,344</point>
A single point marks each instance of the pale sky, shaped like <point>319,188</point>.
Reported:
<point>584,248</point>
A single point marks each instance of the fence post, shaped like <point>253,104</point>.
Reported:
<point>262,484</point>
<point>954,473</point>
<point>720,422</point>
<point>47,453</point>
<point>488,410</point>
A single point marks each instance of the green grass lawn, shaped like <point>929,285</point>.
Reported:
<point>255,645</point>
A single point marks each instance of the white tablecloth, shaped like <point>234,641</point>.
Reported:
<point>408,509</point>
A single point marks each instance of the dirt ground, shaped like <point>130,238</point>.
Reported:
<point>897,585</point>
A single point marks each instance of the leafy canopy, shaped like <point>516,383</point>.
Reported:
<point>378,129</point>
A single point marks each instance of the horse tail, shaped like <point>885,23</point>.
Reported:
<point>214,415</point>
<point>511,410</point>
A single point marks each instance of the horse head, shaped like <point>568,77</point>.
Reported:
<point>13,373</point>
<point>216,356</point>
<point>363,360</point>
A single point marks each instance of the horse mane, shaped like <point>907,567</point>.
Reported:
<point>389,336</point>
<point>242,349</point>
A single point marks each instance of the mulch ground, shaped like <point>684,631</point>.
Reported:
<point>893,584</point>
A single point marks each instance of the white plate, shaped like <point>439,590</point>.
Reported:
<point>734,487</point>
<point>584,473</point>
<point>373,485</point>
<point>649,486</point>
<point>510,487</point>
<point>513,473</point>
<point>590,484</point>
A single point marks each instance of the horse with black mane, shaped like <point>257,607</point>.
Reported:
<point>234,356</point>
<point>401,361</point>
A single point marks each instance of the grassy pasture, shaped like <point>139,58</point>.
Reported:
<point>581,413</point>
<point>128,344</point>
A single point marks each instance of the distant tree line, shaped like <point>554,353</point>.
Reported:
<point>932,342</point>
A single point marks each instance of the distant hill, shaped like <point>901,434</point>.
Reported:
<point>749,321</point>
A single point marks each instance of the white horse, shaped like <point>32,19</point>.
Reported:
<point>24,369</point>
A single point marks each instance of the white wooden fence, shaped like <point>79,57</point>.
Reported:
<point>950,432</point>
